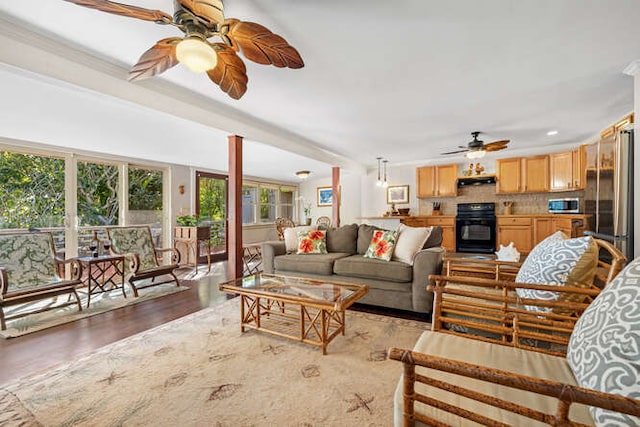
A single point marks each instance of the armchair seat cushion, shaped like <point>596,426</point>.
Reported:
<point>368,268</point>
<point>523,362</point>
<point>312,264</point>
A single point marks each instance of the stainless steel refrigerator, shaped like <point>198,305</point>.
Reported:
<point>609,189</point>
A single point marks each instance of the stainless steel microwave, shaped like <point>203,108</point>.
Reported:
<point>569,205</point>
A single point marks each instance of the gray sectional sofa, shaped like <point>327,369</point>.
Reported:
<point>392,284</point>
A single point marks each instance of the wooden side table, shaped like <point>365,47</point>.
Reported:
<point>104,273</point>
<point>190,238</point>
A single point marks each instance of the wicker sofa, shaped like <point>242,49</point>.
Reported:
<point>392,284</point>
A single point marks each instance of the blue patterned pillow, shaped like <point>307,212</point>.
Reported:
<point>558,260</point>
<point>604,350</point>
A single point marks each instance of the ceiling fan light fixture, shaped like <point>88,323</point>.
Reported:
<point>474,155</point>
<point>196,54</point>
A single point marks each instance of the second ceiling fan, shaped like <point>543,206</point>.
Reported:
<point>476,148</point>
<point>201,20</point>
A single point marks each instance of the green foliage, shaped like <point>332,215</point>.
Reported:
<point>213,199</point>
<point>187,220</point>
<point>145,189</point>
<point>97,194</point>
<point>31,191</point>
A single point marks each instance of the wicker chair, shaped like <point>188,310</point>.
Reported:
<point>281,224</point>
<point>136,244</point>
<point>450,379</point>
<point>478,299</point>
<point>323,222</point>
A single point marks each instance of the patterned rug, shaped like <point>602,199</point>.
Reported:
<point>100,303</point>
<point>200,370</point>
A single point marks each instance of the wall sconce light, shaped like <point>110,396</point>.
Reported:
<point>181,189</point>
<point>303,174</point>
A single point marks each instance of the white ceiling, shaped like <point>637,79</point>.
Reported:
<point>405,80</point>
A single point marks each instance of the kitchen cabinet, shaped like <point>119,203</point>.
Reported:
<point>448,224</point>
<point>437,181</point>
<point>522,175</point>
<point>542,228</point>
<point>517,230</point>
<point>567,170</point>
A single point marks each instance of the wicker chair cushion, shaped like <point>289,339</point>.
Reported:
<point>558,260</point>
<point>604,349</point>
<point>136,240</point>
<point>29,260</point>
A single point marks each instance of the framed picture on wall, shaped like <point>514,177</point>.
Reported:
<point>398,194</point>
<point>325,196</point>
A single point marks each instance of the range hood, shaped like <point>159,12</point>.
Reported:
<point>476,180</point>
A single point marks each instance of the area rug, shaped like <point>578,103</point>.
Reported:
<point>200,370</point>
<point>100,303</point>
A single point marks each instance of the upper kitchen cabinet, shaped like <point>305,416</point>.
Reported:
<point>437,181</point>
<point>567,170</point>
<point>523,175</point>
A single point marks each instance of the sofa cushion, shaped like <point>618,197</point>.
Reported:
<point>435,238</point>
<point>365,234</point>
<point>291,236</point>
<point>314,264</point>
<point>410,240</point>
<point>382,244</point>
<point>312,242</point>
<point>558,260</point>
<point>343,239</point>
<point>359,266</point>
<point>604,348</point>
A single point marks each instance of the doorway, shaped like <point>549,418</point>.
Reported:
<point>211,208</point>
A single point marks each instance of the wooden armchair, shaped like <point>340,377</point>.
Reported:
<point>30,271</point>
<point>281,224</point>
<point>452,380</point>
<point>136,244</point>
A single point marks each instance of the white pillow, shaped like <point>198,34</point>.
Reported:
<point>291,236</point>
<point>409,241</point>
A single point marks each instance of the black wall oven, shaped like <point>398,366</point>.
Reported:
<point>476,227</point>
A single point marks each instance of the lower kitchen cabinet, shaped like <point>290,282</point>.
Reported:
<point>518,230</point>
<point>527,231</point>
<point>448,224</point>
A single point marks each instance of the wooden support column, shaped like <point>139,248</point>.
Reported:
<point>337,197</point>
<point>234,208</point>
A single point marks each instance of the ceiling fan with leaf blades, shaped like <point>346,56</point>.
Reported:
<point>476,148</point>
<point>201,20</point>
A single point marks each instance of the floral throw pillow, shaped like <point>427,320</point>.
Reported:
<point>382,244</point>
<point>312,242</point>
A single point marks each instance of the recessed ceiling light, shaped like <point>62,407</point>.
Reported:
<point>552,132</point>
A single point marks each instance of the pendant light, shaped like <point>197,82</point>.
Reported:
<point>379,181</point>
<point>385,183</point>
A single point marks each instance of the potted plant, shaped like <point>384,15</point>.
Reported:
<point>307,213</point>
<point>188,228</point>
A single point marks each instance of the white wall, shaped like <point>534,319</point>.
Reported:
<point>350,209</point>
<point>374,198</point>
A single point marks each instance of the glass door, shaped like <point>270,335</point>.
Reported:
<point>211,208</point>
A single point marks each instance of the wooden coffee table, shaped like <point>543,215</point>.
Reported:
<point>301,309</point>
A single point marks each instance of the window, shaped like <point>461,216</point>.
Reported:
<point>145,200</point>
<point>31,191</point>
<point>263,203</point>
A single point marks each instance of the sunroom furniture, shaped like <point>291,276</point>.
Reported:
<point>304,310</point>
<point>455,380</point>
<point>102,273</point>
<point>136,244</point>
<point>251,258</point>
<point>282,223</point>
<point>192,239</point>
<point>323,222</point>
<point>30,271</point>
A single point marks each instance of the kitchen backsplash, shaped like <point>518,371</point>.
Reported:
<point>534,203</point>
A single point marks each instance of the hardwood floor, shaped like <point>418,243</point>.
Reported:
<point>40,350</point>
